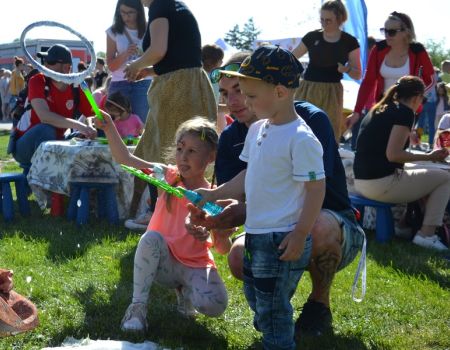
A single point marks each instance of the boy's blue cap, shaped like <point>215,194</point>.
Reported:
<point>272,64</point>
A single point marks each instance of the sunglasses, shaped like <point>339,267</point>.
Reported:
<point>216,75</point>
<point>390,32</point>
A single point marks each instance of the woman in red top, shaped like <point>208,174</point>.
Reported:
<point>389,60</point>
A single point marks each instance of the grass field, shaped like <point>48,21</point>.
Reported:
<point>81,278</point>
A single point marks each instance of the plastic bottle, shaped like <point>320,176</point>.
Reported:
<point>210,208</point>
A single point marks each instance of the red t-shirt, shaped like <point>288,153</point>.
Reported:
<point>59,102</point>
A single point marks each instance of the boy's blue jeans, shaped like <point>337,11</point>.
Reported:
<point>269,284</point>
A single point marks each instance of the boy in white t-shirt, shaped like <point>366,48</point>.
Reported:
<point>284,186</point>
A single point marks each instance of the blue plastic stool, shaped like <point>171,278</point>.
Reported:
<point>79,202</point>
<point>6,203</point>
<point>385,221</point>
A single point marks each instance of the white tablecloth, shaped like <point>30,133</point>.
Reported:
<point>57,163</point>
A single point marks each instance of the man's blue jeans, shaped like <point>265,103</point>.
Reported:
<point>27,144</point>
<point>136,92</point>
<point>269,284</point>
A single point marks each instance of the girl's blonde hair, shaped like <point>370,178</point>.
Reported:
<point>197,126</point>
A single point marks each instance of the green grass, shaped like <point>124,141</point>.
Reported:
<point>81,282</point>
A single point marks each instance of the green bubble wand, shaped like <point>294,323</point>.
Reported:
<point>84,86</point>
<point>210,208</point>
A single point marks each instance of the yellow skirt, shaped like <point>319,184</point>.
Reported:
<point>327,96</point>
<point>174,98</point>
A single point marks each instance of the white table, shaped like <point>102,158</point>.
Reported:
<point>57,163</point>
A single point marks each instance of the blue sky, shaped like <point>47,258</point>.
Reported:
<point>281,18</point>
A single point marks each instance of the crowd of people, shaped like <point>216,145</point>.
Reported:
<point>272,131</point>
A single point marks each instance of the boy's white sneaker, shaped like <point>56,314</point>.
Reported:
<point>432,242</point>
<point>135,319</point>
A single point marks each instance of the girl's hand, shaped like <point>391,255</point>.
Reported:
<point>352,119</point>
<point>199,232</point>
<point>104,124</point>
<point>342,69</point>
<point>438,155</point>
<point>233,215</point>
<point>132,49</point>
<point>145,72</point>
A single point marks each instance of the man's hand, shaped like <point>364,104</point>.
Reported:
<point>88,131</point>
<point>293,245</point>
<point>233,215</point>
<point>207,196</point>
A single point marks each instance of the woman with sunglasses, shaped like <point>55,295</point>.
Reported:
<point>123,44</point>
<point>396,56</point>
<point>332,52</point>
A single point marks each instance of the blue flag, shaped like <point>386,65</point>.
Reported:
<point>356,25</point>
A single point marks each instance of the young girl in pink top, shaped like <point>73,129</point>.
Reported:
<point>170,253</point>
<point>127,123</point>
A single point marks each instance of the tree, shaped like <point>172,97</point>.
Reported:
<point>243,39</point>
<point>437,52</point>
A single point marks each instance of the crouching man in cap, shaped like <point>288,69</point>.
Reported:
<point>53,106</point>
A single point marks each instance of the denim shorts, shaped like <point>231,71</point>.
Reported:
<point>269,284</point>
<point>352,235</point>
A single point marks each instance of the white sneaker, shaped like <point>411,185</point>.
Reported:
<point>135,319</point>
<point>184,306</point>
<point>140,223</point>
<point>432,242</point>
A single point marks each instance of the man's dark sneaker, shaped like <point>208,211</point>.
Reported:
<point>314,320</point>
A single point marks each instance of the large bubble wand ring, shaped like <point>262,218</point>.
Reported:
<point>69,78</point>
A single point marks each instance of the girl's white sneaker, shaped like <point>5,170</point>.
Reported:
<point>432,242</point>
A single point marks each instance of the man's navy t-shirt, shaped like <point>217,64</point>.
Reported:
<point>232,139</point>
